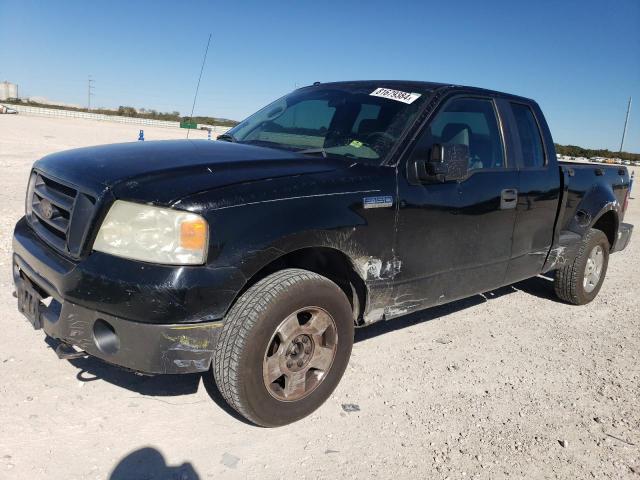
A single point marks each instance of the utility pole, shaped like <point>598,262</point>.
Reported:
<point>626,121</point>
<point>89,92</point>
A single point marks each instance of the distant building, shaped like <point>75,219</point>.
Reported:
<point>8,91</point>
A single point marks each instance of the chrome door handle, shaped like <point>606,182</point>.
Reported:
<point>508,199</point>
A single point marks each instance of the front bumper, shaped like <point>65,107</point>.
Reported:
<point>147,318</point>
<point>624,236</point>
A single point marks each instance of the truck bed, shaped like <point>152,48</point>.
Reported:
<point>582,178</point>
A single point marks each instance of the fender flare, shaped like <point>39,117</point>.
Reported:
<point>596,203</point>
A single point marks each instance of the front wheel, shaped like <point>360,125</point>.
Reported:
<point>284,347</point>
<point>579,282</point>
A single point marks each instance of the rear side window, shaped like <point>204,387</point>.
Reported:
<point>530,139</point>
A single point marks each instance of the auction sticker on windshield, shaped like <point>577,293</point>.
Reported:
<point>397,95</point>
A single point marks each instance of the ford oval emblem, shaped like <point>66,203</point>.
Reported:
<point>46,208</point>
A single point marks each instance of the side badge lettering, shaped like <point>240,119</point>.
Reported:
<point>378,202</point>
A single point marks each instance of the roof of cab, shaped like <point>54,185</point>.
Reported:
<point>418,87</point>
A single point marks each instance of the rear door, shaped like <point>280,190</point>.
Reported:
<point>539,181</point>
<point>454,238</point>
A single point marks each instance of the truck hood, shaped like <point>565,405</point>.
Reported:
<point>165,171</point>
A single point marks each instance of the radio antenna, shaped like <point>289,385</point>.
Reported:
<point>626,121</point>
<point>195,97</point>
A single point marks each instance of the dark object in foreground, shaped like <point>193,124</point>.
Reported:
<point>337,206</point>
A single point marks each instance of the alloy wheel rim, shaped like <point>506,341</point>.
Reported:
<point>300,354</point>
<point>593,269</point>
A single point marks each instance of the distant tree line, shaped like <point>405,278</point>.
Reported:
<point>171,116</point>
<point>575,151</point>
<point>125,111</point>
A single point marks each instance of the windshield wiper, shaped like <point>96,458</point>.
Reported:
<point>314,150</point>
<point>227,137</point>
<point>268,144</point>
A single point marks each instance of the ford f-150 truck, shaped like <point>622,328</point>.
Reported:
<point>255,256</point>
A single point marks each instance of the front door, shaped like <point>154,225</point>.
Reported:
<point>454,238</point>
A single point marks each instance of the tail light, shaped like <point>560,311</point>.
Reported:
<point>626,202</point>
<point>626,197</point>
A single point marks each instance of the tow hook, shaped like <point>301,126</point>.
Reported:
<point>68,352</point>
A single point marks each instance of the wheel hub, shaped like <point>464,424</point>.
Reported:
<point>299,352</point>
<point>593,269</point>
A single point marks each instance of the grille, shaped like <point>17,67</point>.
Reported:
<point>59,213</point>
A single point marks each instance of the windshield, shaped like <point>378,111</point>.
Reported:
<point>356,122</point>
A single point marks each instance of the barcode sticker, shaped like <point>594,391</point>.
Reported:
<point>397,95</point>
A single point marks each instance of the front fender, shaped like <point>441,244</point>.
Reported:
<point>253,225</point>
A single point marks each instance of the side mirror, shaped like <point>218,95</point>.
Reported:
<point>447,162</point>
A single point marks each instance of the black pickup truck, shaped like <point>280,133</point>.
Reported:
<point>254,257</point>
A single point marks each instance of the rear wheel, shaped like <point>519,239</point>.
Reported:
<point>580,281</point>
<point>284,347</point>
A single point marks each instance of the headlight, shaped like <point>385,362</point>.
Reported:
<point>153,234</point>
<point>29,199</point>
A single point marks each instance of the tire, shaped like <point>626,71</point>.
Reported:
<point>260,339</point>
<point>570,283</point>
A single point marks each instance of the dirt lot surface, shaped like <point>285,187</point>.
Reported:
<point>512,384</point>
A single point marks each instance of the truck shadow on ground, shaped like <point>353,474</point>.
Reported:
<point>92,369</point>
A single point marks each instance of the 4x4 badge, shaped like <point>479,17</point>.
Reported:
<point>378,202</point>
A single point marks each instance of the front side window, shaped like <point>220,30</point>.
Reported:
<point>336,121</point>
<point>530,139</point>
<point>467,121</point>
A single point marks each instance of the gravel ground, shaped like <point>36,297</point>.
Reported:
<point>510,384</point>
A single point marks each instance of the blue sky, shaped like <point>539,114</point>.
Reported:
<point>579,59</point>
